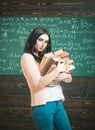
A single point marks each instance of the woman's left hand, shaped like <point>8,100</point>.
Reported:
<point>64,77</point>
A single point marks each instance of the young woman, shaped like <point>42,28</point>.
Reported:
<point>47,109</point>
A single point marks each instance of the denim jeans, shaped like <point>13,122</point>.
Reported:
<point>49,116</point>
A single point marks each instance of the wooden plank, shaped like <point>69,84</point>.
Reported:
<point>83,125</point>
<point>46,8</point>
<point>20,113</point>
<point>17,85</point>
<point>16,101</point>
<point>14,124</point>
<point>12,78</point>
<point>14,88</point>
<point>71,102</point>
<point>28,125</point>
<point>24,100</point>
<point>80,90</point>
<point>81,114</point>
<point>80,87</point>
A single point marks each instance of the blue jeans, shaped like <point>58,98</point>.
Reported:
<point>46,117</point>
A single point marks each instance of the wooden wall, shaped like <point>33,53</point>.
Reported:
<point>14,93</point>
<point>47,8</point>
<point>15,103</point>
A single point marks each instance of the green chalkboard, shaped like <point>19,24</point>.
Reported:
<point>74,34</point>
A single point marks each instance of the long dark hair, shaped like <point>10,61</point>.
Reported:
<point>29,47</point>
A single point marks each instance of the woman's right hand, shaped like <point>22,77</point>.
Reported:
<point>61,67</point>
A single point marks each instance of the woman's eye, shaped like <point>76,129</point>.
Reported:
<point>40,39</point>
<point>43,40</point>
<point>47,42</point>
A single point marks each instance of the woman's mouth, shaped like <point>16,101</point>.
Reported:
<point>41,49</point>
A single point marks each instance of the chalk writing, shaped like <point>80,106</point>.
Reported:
<point>74,34</point>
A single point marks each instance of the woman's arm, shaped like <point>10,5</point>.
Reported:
<point>32,72</point>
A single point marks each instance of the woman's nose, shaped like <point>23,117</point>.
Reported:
<point>43,43</point>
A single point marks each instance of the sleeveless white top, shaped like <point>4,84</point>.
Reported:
<point>54,93</point>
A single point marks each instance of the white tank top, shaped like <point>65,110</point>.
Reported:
<point>54,93</point>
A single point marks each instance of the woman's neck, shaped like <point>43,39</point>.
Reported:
<point>36,53</point>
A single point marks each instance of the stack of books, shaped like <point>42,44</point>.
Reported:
<point>50,61</point>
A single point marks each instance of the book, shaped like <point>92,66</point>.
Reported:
<point>65,58</point>
<point>46,62</point>
<point>60,53</point>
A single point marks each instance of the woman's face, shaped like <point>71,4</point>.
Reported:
<point>41,43</point>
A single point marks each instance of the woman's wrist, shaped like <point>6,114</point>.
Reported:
<point>67,78</point>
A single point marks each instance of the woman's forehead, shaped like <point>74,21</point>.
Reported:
<point>44,36</point>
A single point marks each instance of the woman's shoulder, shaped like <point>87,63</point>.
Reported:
<point>27,57</point>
